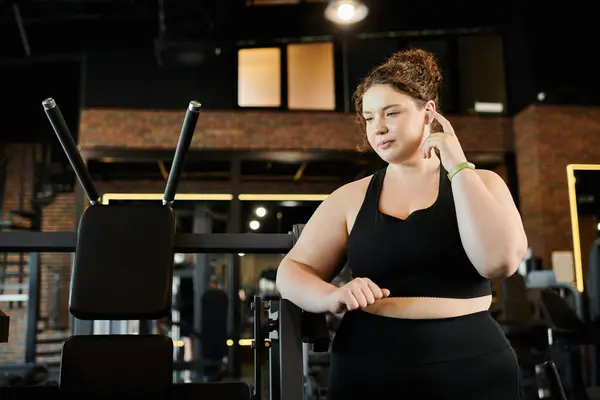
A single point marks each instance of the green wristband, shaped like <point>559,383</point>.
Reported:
<point>459,168</point>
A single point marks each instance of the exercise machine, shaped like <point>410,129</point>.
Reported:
<point>137,243</point>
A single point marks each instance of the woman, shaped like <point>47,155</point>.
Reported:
<point>423,237</point>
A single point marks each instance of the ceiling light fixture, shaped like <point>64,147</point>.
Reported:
<point>346,12</point>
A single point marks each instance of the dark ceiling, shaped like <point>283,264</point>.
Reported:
<point>53,25</point>
<point>553,33</point>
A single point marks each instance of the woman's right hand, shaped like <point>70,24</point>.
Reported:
<point>358,293</point>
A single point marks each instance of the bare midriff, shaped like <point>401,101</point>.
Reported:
<point>428,307</point>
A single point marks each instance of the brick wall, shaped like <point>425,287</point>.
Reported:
<point>58,216</point>
<point>547,139</point>
<point>262,130</point>
<point>18,174</point>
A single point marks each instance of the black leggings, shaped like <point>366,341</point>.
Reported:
<point>466,358</point>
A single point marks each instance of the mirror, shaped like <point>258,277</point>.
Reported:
<point>584,202</point>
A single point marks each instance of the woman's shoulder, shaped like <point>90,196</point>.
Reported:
<point>350,196</point>
<point>355,188</point>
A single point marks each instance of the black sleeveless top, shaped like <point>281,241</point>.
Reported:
<point>420,256</point>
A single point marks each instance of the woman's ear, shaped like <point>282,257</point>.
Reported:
<point>429,106</point>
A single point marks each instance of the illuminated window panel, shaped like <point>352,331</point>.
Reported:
<point>311,77</point>
<point>259,77</point>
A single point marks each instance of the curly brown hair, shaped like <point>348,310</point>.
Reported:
<point>415,72</point>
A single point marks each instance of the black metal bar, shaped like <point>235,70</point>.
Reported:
<point>201,279</point>
<point>56,340</point>
<point>56,309</point>
<point>183,146</point>
<point>22,31</point>
<point>64,242</point>
<point>49,353</point>
<point>234,226</point>
<point>274,367</point>
<point>77,326</point>
<point>557,392</point>
<point>291,381</point>
<point>24,241</point>
<point>33,307</point>
<point>21,276</point>
<point>345,74</point>
<point>510,162</point>
<point>3,262</point>
<point>283,93</point>
<point>250,243</point>
<point>11,275</point>
<point>234,314</point>
<point>258,345</point>
<point>68,144</point>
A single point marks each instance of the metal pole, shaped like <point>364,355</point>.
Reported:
<point>202,224</point>
<point>274,355</point>
<point>345,74</point>
<point>233,268</point>
<point>33,308</point>
<point>291,379</point>
<point>183,146</point>
<point>219,243</point>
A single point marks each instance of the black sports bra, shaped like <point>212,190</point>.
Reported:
<point>420,256</point>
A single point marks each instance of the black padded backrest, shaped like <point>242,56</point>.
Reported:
<point>123,266</point>
<point>136,362</point>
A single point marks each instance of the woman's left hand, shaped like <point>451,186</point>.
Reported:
<point>446,142</point>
